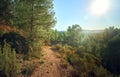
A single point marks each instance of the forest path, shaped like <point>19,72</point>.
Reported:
<point>51,66</point>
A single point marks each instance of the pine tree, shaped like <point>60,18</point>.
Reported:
<point>34,16</point>
<point>5,12</point>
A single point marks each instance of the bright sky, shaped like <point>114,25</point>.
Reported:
<point>89,14</point>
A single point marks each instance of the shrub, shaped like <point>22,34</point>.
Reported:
<point>33,55</point>
<point>64,64</point>
<point>16,41</point>
<point>57,47</point>
<point>8,62</point>
<point>28,69</point>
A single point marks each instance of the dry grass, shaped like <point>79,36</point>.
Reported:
<point>6,29</point>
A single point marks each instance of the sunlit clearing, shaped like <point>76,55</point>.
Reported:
<point>99,7</point>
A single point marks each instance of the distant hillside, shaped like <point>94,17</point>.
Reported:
<point>92,31</point>
<point>87,31</point>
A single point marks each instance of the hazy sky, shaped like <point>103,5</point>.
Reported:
<point>69,12</point>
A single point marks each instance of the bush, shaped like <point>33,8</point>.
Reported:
<point>33,55</point>
<point>16,41</point>
<point>8,62</point>
<point>28,69</point>
<point>57,47</point>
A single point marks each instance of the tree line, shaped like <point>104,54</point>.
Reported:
<point>91,55</point>
<point>101,49</point>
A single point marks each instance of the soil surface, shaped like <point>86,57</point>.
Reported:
<point>51,66</point>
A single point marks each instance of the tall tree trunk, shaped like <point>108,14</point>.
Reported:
<point>31,21</point>
<point>31,25</point>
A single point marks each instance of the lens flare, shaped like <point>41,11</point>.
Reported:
<point>99,7</point>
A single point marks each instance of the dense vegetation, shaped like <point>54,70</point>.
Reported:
<point>91,54</point>
<point>25,25</point>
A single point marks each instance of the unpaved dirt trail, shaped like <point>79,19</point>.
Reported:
<point>51,66</point>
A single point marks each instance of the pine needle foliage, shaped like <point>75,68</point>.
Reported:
<point>8,61</point>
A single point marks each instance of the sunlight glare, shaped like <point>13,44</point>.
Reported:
<point>99,7</point>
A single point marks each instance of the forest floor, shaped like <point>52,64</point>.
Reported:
<point>51,66</point>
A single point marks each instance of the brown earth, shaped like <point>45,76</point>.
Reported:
<point>51,66</point>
